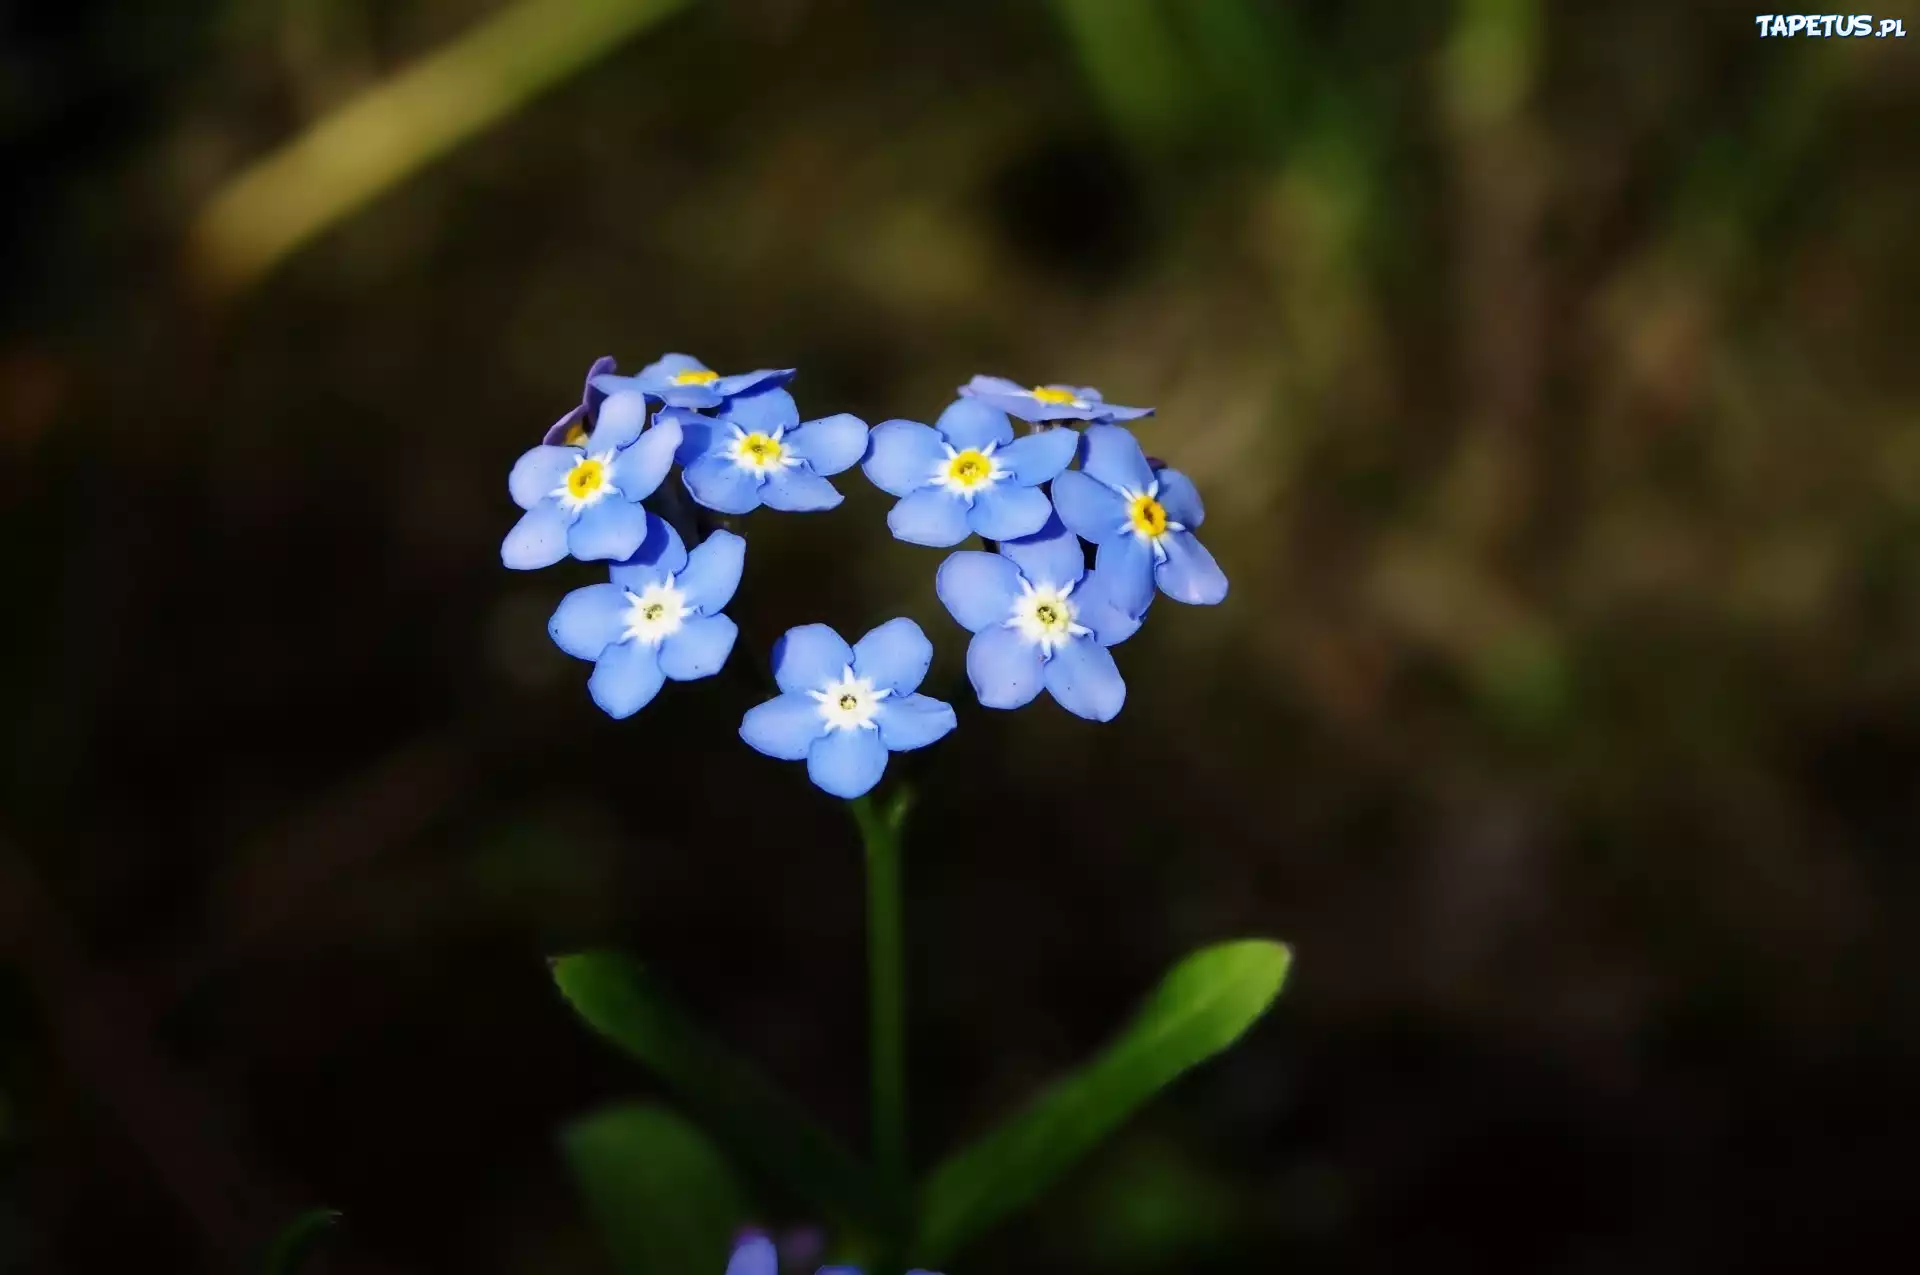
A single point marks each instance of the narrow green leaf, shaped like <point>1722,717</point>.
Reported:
<point>762,1127</point>
<point>663,1197</point>
<point>296,1241</point>
<point>1201,1007</point>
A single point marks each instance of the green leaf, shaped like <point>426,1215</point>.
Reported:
<point>1201,1007</point>
<point>615,995</point>
<point>296,1241</point>
<point>665,1200</point>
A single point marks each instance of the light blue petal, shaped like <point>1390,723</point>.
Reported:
<point>893,656</point>
<point>539,472</point>
<point>668,366</point>
<point>830,444</point>
<point>784,727</point>
<point>1181,499</point>
<point>698,434</point>
<point>1094,606</point>
<point>1004,667</point>
<point>798,491</point>
<point>847,763</point>
<point>808,657</point>
<point>608,384</point>
<point>539,539</point>
<point>913,721</point>
<point>610,528</point>
<point>932,516</point>
<point>661,553</point>
<point>713,572</point>
<point>901,456</point>
<point>637,470</point>
<point>626,679</point>
<point>620,420</point>
<point>1189,573</point>
<point>969,422</point>
<point>1114,412</point>
<point>697,397</point>
<point>1082,676</point>
<point>977,588</point>
<point>556,435</point>
<point>764,412</point>
<point>1127,564</point>
<point>721,485</point>
<point>747,382</point>
<point>755,1255</point>
<point>1051,557</point>
<point>698,648</point>
<point>1113,455</point>
<point>992,385</point>
<point>589,620</point>
<point>1004,512</point>
<point>1093,509</point>
<point>1036,458</point>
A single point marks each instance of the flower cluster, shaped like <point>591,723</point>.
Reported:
<point>1038,616</point>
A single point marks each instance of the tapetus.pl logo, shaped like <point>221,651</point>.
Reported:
<point>1823,26</point>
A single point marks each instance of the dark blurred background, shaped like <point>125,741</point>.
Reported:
<point>1550,374</point>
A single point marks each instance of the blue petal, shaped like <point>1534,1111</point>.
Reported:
<point>668,366</point>
<point>539,539</point>
<point>620,421</point>
<point>660,554</point>
<point>764,412</point>
<point>932,516</point>
<point>1035,458</point>
<point>698,434</point>
<point>969,422</point>
<point>721,485</point>
<point>1127,564</point>
<point>557,432</point>
<point>1082,676</point>
<point>1004,667</point>
<point>608,384</point>
<point>1112,455</point>
<point>1051,557</point>
<point>1000,394</point>
<point>747,382</point>
<point>539,472</point>
<point>589,620</point>
<point>847,763</point>
<point>713,572</point>
<point>608,528</point>
<point>913,721</point>
<point>590,399</point>
<point>799,491</point>
<point>992,385</point>
<point>893,656</point>
<point>830,444</point>
<point>1093,509</point>
<point>1004,511</point>
<point>698,648</point>
<point>638,469</point>
<point>1114,412</point>
<point>784,727</point>
<point>688,396</point>
<point>902,456</point>
<point>1094,606</point>
<point>1181,499</point>
<point>808,657</point>
<point>626,679</point>
<point>1189,573</point>
<point>977,588</point>
<point>754,1255</point>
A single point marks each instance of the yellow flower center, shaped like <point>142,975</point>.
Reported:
<point>576,435</point>
<point>1148,516</point>
<point>970,468</point>
<point>1050,395</point>
<point>652,611</point>
<point>849,702</point>
<point>763,450</point>
<point>698,376</point>
<point>1048,614</point>
<point>586,478</point>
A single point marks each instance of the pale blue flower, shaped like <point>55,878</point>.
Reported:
<point>680,380</point>
<point>1141,520</point>
<point>1048,402</point>
<point>966,473</point>
<point>585,500</point>
<point>757,452</point>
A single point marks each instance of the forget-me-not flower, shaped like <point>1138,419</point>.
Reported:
<point>844,708</point>
<point>757,452</point>
<point>585,500</point>
<point>756,1255</point>
<point>1142,521</point>
<point>658,618</point>
<point>680,380</point>
<point>1048,402</point>
<point>572,429</point>
<point>966,472</point>
<point>1038,618</point>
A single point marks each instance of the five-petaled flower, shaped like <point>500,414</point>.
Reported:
<point>1038,618</point>
<point>680,380</point>
<point>659,618</point>
<point>572,429</point>
<point>585,500</point>
<point>755,1254</point>
<point>844,708</point>
<point>1142,521</point>
<point>966,472</point>
<point>1049,402</point>
<point>757,452</point>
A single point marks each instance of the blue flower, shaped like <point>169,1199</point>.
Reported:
<point>1049,402</point>
<point>1141,520</point>
<point>1038,618</point>
<point>659,618</point>
<point>571,430</point>
<point>756,1255</point>
<point>586,500</point>
<point>757,453</point>
<point>843,709</point>
<point>966,472</point>
<point>680,380</point>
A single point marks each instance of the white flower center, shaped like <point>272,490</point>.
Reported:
<point>587,483</point>
<point>850,702</point>
<point>760,454</point>
<point>1044,616</point>
<point>1147,518</point>
<point>655,613</point>
<point>966,473</point>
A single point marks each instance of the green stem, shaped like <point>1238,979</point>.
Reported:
<point>886,971</point>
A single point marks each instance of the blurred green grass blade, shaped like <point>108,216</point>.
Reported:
<point>614,994</point>
<point>296,1241</point>
<point>663,1197</point>
<point>1200,1008</point>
